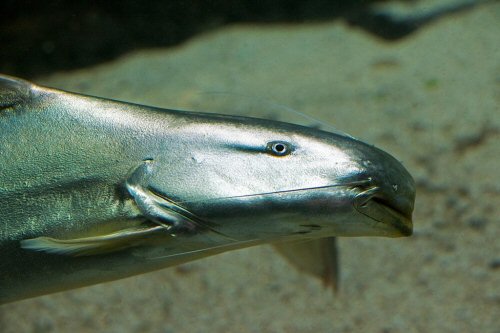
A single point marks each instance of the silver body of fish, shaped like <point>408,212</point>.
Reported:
<point>93,190</point>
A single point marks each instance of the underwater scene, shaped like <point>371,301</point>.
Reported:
<point>217,166</point>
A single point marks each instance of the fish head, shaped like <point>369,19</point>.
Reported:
<point>278,179</point>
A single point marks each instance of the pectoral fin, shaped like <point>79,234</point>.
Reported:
<point>158,208</point>
<point>92,245</point>
<point>164,217</point>
<point>317,257</point>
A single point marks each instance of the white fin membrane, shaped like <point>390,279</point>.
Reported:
<point>230,103</point>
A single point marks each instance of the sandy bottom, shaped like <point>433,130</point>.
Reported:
<point>432,100</point>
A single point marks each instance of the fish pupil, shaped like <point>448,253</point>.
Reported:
<point>279,148</point>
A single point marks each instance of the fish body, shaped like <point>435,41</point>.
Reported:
<point>93,190</point>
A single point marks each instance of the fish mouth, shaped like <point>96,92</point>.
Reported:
<point>400,220</point>
<point>395,213</point>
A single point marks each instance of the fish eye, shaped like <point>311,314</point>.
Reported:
<point>279,148</point>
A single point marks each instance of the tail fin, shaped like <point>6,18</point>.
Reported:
<point>13,91</point>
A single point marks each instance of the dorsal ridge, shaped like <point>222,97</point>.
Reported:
<point>13,91</point>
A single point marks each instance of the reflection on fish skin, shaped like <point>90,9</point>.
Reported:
<point>93,190</point>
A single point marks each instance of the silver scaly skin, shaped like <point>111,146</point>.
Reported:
<point>93,190</point>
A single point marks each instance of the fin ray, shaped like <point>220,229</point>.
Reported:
<point>91,245</point>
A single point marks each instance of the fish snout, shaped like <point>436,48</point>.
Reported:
<point>390,197</point>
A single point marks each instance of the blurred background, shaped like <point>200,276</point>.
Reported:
<point>42,37</point>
